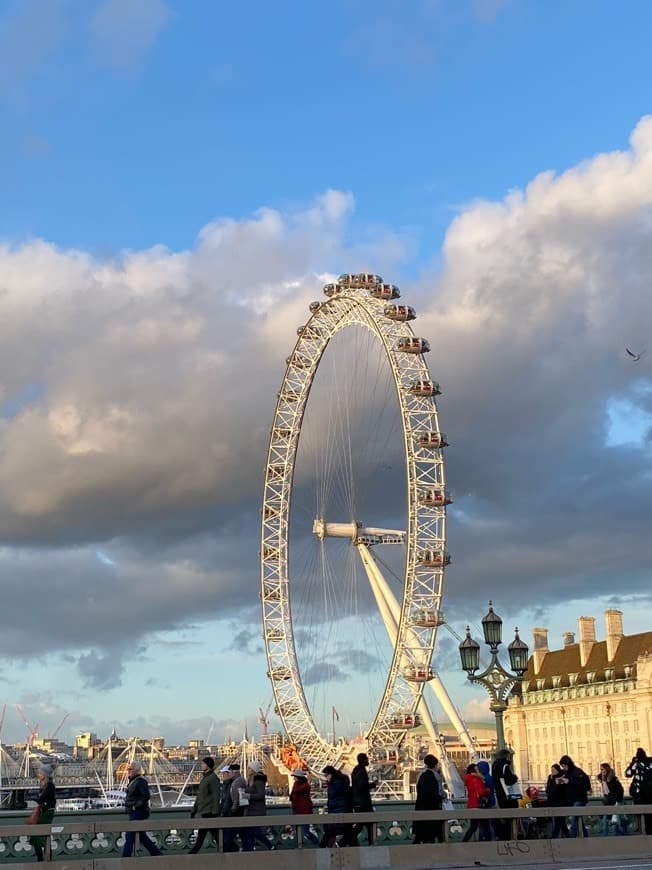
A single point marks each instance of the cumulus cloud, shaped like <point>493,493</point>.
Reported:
<point>136,396</point>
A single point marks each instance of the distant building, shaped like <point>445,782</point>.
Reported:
<point>590,699</point>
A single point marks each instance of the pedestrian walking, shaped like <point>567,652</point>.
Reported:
<point>486,831</point>
<point>207,803</point>
<point>137,807</point>
<point>46,802</point>
<point>578,788</point>
<point>339,800</point>
<point>504,779</point>
<point>255,792</point>
<point>477,797</point>
<point>640,789</point>
<point>430,796</point>
<point>231,773</point>
<point>362,802</point>
<point>613,794</point>
<point>301,801</point>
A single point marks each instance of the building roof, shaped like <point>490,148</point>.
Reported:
<point>565,661</point>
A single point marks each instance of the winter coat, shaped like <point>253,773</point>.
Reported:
<point>501,771</point>
<point>256,792</point>
<point>485,770</point>
<point>339,796</point>
<point>361,790</point>
<point>578,787</point>
<point>238,783</point>
<point>556,792</point>
<point>640,772</point>
<point>137,798</point>
<point>429,790</point>
<point>300,797</point>
<point>47,796</point>
<point>209,795</point>
<point>226,804</point>
<point>615,792</point>
<point>475,789</point>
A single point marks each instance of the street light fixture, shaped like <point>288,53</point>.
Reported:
<point>496,679</point>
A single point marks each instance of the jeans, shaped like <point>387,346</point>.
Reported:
<point>620,829</point>
<point>202,833</point>
<point>308,835</point>
<point>575,821</point>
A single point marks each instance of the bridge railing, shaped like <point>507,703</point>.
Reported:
<point>96,838</point>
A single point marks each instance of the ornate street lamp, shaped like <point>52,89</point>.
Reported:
<point>496,680</point>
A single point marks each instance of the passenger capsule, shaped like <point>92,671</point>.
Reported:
<point>281,672</point>
<point>425,388</point>
<point>425,618</point>
<point>433,558</point>
<point>434,440</point>
<point>314,306</point>
<point>332,289</point>
<point>385,756</point>
<point>269,512</point>
<point>385,291</point>
<point>418,674</point>
<point>436,497</point>
<point>403,721</point>
<point>401,313</point>
<point>281,433</point>
<point>309,331</point>
<point>412,344</point>
<point>275,634</point>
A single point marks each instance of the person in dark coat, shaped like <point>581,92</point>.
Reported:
<point>557,796</point>
<point>301,802</point>
<point>231,774</point>
<point>578,787</point>
<point>47,801</point>
<point>255,789</point>
<point>207,803</point>
<point>639,771</point>
<point>430,796</point>
<point>504,777</point>
<point>362,796</point>
<point>137,806</point>
<point>613,794</point>
<point>339,800</point>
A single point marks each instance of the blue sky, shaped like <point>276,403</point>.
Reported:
<point>139,143</point>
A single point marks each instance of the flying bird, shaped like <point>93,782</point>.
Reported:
<point>635,356</point>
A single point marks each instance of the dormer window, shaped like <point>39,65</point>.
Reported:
<point>590,676</point>
<point>556,681</point>
<point>541,682</point>
<point>572,679</point>
<point>628,671</point>
<point>609,673</point>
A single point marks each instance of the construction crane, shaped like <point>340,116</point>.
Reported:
<point>59,726</point>
<point>264,720</point>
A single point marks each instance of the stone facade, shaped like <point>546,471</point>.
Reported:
<point>590,699</point>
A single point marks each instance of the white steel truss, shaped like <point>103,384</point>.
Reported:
<point>354,301</point>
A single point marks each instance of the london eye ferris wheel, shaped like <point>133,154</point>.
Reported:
<point>353,522</point>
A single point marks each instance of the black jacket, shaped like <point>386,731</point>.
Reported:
<point>137,798</point>
<point>501,771</point>
<point>361,789</point>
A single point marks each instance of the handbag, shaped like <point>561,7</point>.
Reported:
<point>243,798</point>
<point>33,818</point>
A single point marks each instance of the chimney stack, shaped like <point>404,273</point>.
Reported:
<point>614,621</point>
<point>568,637</point>
<point>540,647</point>
<point>587,637</point>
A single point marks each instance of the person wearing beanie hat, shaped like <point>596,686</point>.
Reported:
<point>207,803</point>
<point>302,803</point>
<point>137,807</point>
<point>46,802</point>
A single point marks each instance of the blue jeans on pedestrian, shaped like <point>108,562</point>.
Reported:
<point>620,829</point>
<point>575,821</point>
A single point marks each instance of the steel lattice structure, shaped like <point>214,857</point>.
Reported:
<point>365,301</point>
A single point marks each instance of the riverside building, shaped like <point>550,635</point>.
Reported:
<point>590,699</point>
